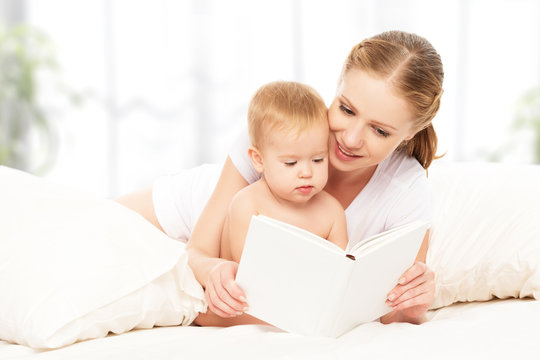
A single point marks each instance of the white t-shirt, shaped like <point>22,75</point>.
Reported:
<point>396,194</point>
<point>180,198</point>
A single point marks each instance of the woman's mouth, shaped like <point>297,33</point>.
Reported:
<point>345,154</point>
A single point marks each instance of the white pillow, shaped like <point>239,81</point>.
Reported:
<point>485,239</point>
<point>74,267</point>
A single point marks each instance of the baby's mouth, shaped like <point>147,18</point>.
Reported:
<point>306,189</point>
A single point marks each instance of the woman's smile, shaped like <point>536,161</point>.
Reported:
<point>343,153</point>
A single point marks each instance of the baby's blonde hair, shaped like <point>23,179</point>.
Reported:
<point>285,106</point>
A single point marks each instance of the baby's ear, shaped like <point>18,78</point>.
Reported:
<point>256,159</point>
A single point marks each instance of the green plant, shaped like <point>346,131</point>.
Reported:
<point>528,117</point>
<point>26,134</point>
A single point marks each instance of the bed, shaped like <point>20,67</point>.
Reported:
<point>484,249</point>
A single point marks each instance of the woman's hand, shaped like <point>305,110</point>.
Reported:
<point>413,295</point>
<point>223,295</point>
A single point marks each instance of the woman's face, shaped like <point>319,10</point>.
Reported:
<point>367,122</point>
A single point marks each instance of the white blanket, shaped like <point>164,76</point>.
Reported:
<point>491,330</point>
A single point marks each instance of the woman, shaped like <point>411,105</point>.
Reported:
<point>381,144</point>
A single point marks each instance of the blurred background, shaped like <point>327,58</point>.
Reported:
<point>107,95</point>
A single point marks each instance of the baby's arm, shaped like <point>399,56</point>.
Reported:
<point>338,232</point>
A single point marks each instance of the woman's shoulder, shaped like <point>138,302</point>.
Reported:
<point>240,157</point>
<point>402,169</point>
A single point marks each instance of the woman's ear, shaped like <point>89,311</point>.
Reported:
<point>256,159</point>
<point>411,135</point>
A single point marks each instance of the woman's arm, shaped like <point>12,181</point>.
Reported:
<point>141,202</point>
<point>225,298</point>
<point>415,292</point>
<point>236,227</point>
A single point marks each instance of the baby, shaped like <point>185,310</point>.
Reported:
<point>288,129</point>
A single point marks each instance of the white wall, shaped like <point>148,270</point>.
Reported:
<point>167,82</point>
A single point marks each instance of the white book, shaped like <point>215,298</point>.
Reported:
<point>302,283</point>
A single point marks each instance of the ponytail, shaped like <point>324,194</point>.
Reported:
<point>423,146</point>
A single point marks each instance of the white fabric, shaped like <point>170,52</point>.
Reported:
<point>397,193</point>
<point>486,219</point>
<point>505,329</point>
<point>240,157</point>
<point>485,239</point>
<point>180,198</point>
<point>74,267</point>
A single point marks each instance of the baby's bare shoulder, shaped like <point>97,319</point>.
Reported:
<point>327,200</point>
<point>251,196</point>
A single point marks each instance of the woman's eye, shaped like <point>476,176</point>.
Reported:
<point>346,110</point>
<point>382,132</point>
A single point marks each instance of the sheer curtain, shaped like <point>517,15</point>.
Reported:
<point>166,83</point>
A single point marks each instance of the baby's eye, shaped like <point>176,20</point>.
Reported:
<point>290,163</point>
<point>318,160</point>
<point>346,110</point>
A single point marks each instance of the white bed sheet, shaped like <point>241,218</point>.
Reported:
<point>490,330</point>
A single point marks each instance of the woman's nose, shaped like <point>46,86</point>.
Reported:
<point>353,136</point>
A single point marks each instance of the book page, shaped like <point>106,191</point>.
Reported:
<point>389,235</point>
<point>308,236</point>
<point>375,272</point>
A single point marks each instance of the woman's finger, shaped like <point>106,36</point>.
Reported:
<point>411,293</point>
<point>235,306</point>
<point>227,272</point>
<point>398,291</point>
<point>235,291</point>
<point>224,291</point>
<point>212,307</point>
<point>423,300</point>
<point>418,269</point>
<point>216,305</point>
<point>227,288</point>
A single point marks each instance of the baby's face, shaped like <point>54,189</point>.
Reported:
<point>296,168</point>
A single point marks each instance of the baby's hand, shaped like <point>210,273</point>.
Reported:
<point>223,295</point>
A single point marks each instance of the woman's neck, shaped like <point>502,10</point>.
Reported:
<point>346,185</point>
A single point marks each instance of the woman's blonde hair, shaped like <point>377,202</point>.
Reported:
<point>413,67</point>
<point>284,106</point>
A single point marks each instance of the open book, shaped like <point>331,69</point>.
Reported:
<point>302,283</point>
